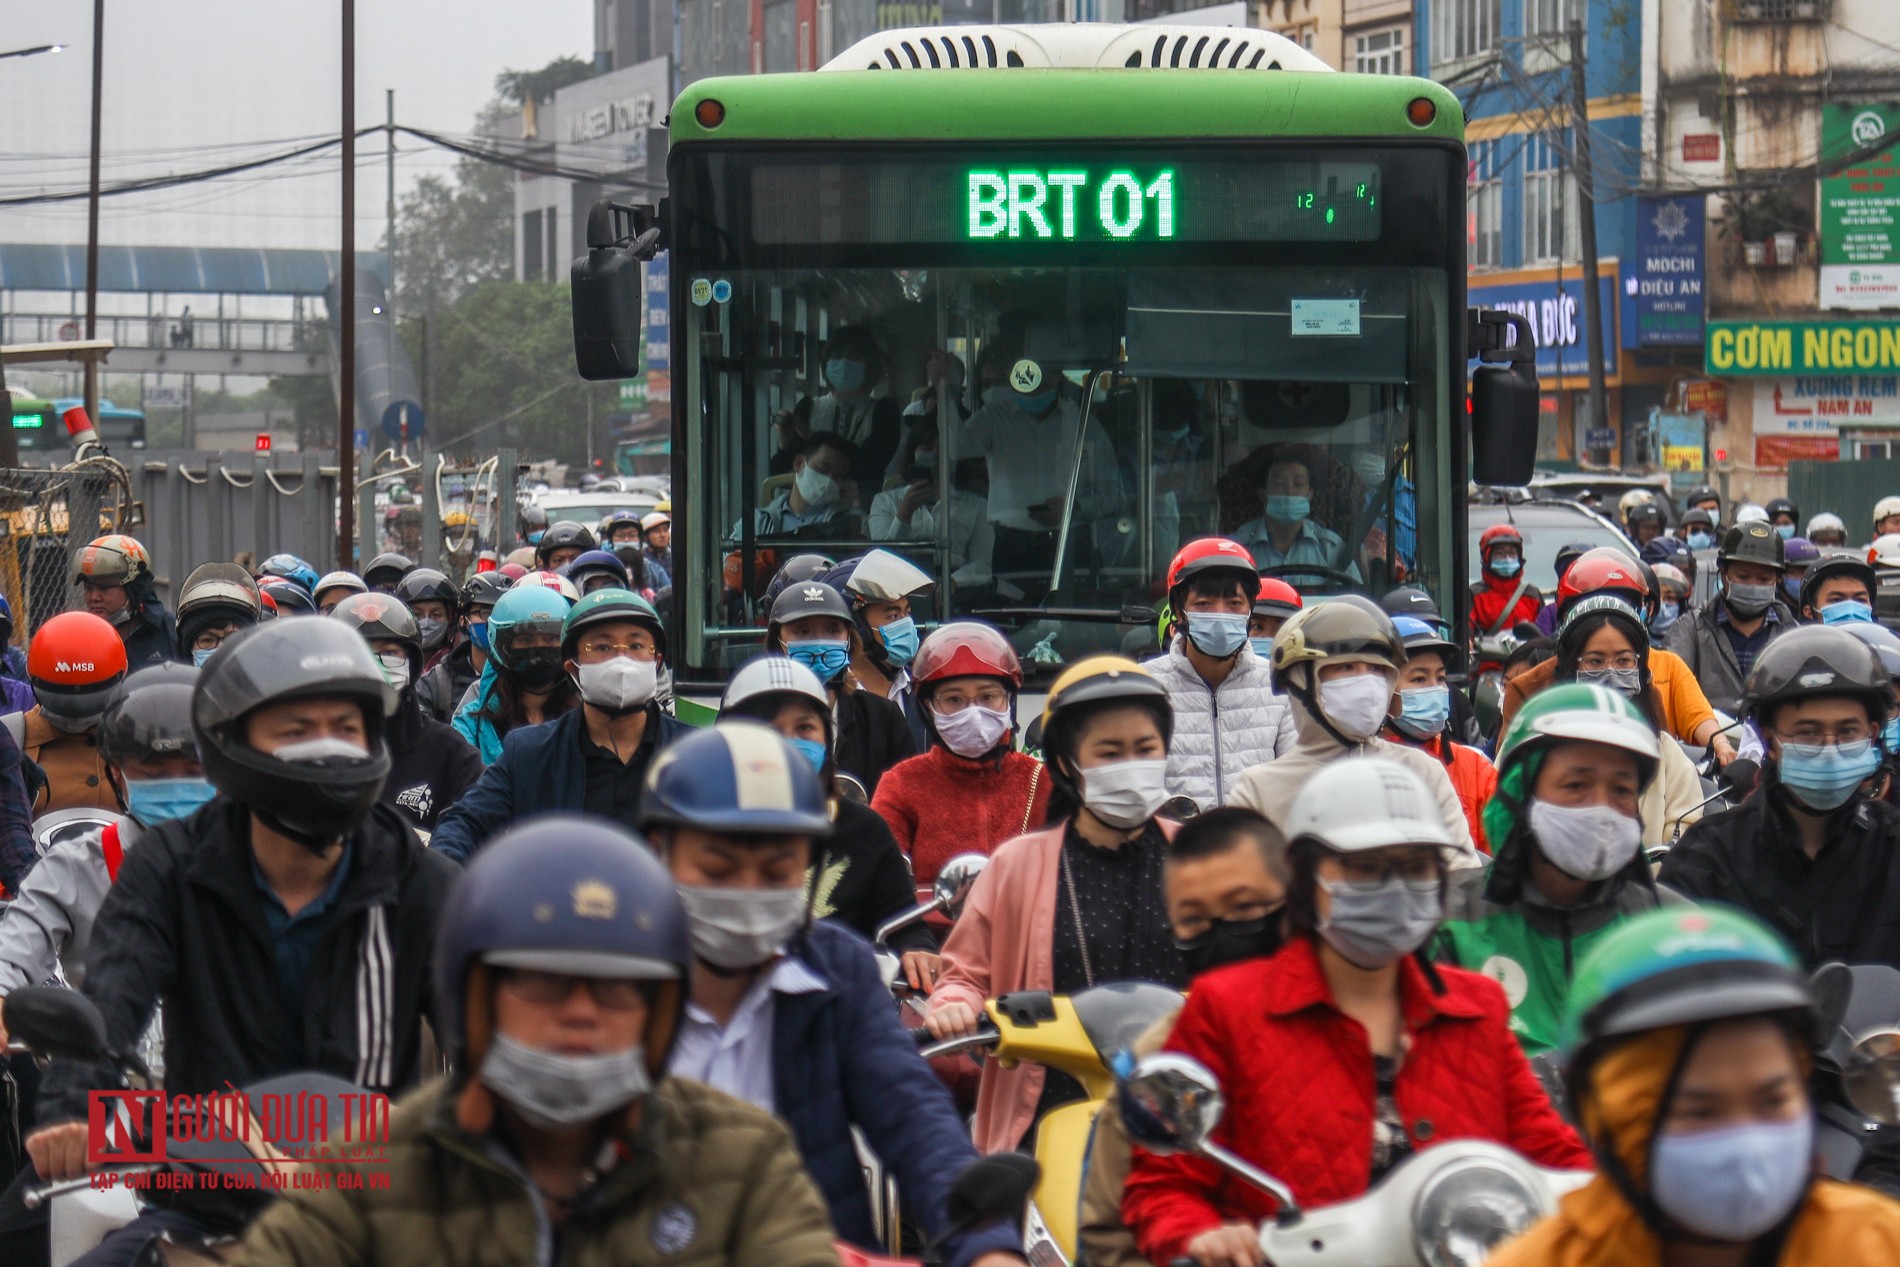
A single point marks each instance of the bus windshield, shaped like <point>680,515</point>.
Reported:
<point>1039,374</point>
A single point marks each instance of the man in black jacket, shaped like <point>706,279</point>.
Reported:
<point>1809,851</point>
<point>288,925</point>
<point>430,764</point>
<point>448,681</point>
<point>1720,640</point>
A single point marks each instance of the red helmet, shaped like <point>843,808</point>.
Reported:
<point>1276,598</point>
<point>1210,554</point>
<point>966,648</point>
<point>1604,570</point>
<point>75,661</point>
<point>1497,535</point>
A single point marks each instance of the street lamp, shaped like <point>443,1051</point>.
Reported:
<point>29,52</point>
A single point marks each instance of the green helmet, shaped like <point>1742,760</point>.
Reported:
<point>1580,712</point>
<point>1682,965</point>
<point>611,604</point>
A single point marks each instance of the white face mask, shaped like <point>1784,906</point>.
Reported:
<point>1590,842</point>
<point>1356,706</point>
<point>1126,793</point>
<point>973,730</point>
<point>817,488</point>
<point>736,929</point>
<point>620,684</point>
<point>318,751</point>
<point>395,668</point>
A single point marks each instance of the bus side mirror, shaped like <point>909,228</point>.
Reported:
<point>609,296</point>
<point>1504,395</point>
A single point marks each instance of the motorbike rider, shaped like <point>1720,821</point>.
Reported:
<point>1719,642</point>
<point>1694,1031</point>
<point>599,569</point>
<point>1338,664</point>
<point>1431,1053</point>
<point>967,679</point>
<point>1420,716</point>
<point>333,587</point>
<point>789,1013</point>
<point>561,544</point>
<point>1675,593</point>
<point>290,568</point>
<point>522,683</point>
<point>880,586</point>
<point>432,599</point>
<point>593,758</point>
<point>1569,866</point>
<point>12,658</point>
<point>1886,516</point>
<point>859,877</point>
<point>1697,529</point>
<point>1075,904</point>
<point>75,661</point>
<point>1504,596</point>
<point>657,527</point>
<point>813,624</point>
<point>1227,716</point>
<point>446,685</point>
<point>561,969</point>
<point>286,597</point>
<point>386,571</point>
<point>1705,499</point>
<point>1566,558</point>
<point>116,574</point>
<point>1809,851</point>
<point>1799,554</point>
<point>430,766</point>
<point>218,599</point>
<point>1273,606</point>
<point>1646,523</point>
<point>1838,590</point>
<point>1783,514</point>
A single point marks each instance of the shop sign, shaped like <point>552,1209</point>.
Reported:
<point>1666,279</point>
<point>1860,207</point>
<point>1707,397</point>
<point>659,347</point>
<point>1555,310</point>
<point>1773,349</point>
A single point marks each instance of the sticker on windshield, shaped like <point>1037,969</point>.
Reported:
<point>1325,317</point>
<point>1025,376</point>
<point>702,292</point>
<point>722,291</point>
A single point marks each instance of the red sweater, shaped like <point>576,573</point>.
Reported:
<point>940,805</point>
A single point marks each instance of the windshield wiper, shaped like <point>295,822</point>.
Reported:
<point>1129,615</point>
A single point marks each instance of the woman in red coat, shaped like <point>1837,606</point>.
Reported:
<point>1346,1052</point>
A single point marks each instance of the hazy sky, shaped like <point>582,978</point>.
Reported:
<point>191,84</point>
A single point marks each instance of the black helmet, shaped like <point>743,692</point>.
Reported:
<point>291,598</point>
<point>1781,506</point>
<point>1407,600</point>
<point>1694,517</point>
<point>594,563</point>
<point>149,715</point>
<point>385,570</point>
<point>1753,542</point>
<point>800,567</point>
<point>566,535</point>
<point>282,660</point>
<point>533,519</point>
<point>1830,568</point>
<point>484,589</point>
<point>1646,513</point>
<point>1816,661</point>
<point>566,894</point>
<point>1703,493</point>
<point>383,616</point>
<point>808,598</point>
<point>426,585</point>
<point>1567,554</point>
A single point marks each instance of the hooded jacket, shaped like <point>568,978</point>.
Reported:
<point>151,637</point>
<point>431,766</point>
<point>1472,775</point>
<point>1698,637</point>
<point>1220,732</point>
<point>1488,599</point>
<point>475,725</point>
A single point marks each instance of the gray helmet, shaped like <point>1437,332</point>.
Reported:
<point>1753,542</point>
<point>1816,661</point>
<point>149,715</point>
<point>215,593</point>
<point>380,617</point>
<point>808,598</point>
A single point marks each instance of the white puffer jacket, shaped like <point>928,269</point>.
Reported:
<point>1219,734</point>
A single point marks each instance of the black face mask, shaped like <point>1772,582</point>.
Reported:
<point>1228,941</point>
<point>540,668</point>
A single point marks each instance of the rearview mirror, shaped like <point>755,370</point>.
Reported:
<point>609,296</point>
<point>56,1022</point>
<point>1503,399</point>
<point>1171,1103</point>
<point>1871,1074</point>
<point>955,880</point>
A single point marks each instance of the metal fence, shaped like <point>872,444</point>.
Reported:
<point>44,517</point>
<point>1849,489</point>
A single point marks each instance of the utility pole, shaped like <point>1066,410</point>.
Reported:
<point>1587,229</point>
<point>389,209</point>
<point>346,316</point>
<point>91,390</point>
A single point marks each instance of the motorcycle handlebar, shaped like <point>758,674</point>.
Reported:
<point>35,1197</point>
<point>930,1047</point>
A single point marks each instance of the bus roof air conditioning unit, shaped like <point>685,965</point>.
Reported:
<point>1076,46</point>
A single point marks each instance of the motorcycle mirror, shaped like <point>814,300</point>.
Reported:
<point>1871,1074</point>
<point>56,1022</point>
<point>991,1189</point>
<point>955,879</point>
<point>1833,986</point>
<point>1171,1103</point>
<point>850,789</point>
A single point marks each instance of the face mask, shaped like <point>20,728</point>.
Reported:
<point>1890,735</point>
<point>1847,611</point>
<point>1749,601</point>
<point>1037,405</point>
<point>973,730</point>
<point>1287,510</point>
<point>827,657</point>
<point>817,488</point>
<point>395,669</point>
<point>321,752</point>
<point>1263,647</point>
<point>70,725</point>
<point>1791,590</point>
<point>121,618</point>
<point>619,685</point>
<point>1229,941</point>
<point>534,538</point>
<point>1785,531</point>
<point>478,635</point>
<point>925,458</point>
<point>1590,842</point>
<point>900,640</point>
<point>161,800</point>
<point>1125,794</point>
<point>1625,682</point>
<point>1424,711</point>
<point>1666,614</point>
<point>1736,1183</point>
<point>552,1091</point>
<point>845,375</point>
<point>1370,468</point>
<point>738,929</point>
<point>1356,705</point>
<point>1506,568</point>
<point>1825,776</point>
<point>198,657</point>
<point>1701,541</point>
<point>1715,517</point>
<point>1379,926</point>
<point>433,631</point>
<point>813,751</point>
<point>540,668</point>
<point>1217,634</point>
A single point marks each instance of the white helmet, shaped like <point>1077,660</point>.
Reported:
<point>1885,551</point>
<point>1886,506</point>
<point>1828,521</point>
<point>1631,500</point>
<point>1750,512</point>
<point>1363,803</point>
<point>774,675</point>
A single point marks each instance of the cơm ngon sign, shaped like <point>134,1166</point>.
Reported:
<point>1776,348</point>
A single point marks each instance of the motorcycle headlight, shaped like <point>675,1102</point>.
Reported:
<point>1464,1213</point>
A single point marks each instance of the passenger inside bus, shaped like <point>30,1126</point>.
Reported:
<point>853,366</point>
<point>906,510</point>
<point>1286,533</point>
<point>822,494</point>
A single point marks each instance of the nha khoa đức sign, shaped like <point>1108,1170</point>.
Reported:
<point>1772,349</point>
<point>274,1140</point>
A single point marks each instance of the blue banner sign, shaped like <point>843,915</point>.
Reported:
<point>1555,310</point>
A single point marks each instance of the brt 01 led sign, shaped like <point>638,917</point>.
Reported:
<point>1070,206</point>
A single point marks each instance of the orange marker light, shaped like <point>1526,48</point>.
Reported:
<point>1420,110</point>
<point>710,113</point>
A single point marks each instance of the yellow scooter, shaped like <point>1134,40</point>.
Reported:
<point>1080,1035</point>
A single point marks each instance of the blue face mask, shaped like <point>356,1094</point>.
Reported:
<point>844,374</point>
<point>1288,510</point>
<point>1217,634</point>
<point>1666,614</point>
<point>1506,567</point>
<point>534,538</point>
<point>1424,711</point>
<point>198,657</point>
<point>812,751</point>
<point>478,635</point>
<point>1038,404</point>
<point>1825,776</point>
<point>900,640</point>
<point>1701,541</point>
<point>827,657</point>
<point>161,800</point>
<point>1847,611</point>
<point>1890,736</point>
<point>1791,586</point>
<point>1785,531</point>
<point>1263,647</point>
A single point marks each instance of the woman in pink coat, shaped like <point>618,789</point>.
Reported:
<point>1079,903</point>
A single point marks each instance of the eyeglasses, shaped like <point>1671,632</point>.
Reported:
<point>1422,871</point>
<point>614,994</point>
<point>946,704</point>
<point>603,650</point>
<point>1814,736</point>
<point>1598,663</point>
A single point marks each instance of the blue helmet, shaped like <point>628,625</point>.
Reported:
<point>524,609</point>
<point>596,563</point>
<point>6,619</point>
<point>736,776</point>
<point>1417,635</point>
<point>561,893</point>
<point>291,568</point>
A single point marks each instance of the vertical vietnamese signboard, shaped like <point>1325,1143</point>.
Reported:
<point>1666,282</point>
<point>659,345</point>
<point>1860,207</point>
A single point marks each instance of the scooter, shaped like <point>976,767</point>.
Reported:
<point>990,1190</point>
<point>1448,1206</point>
<point>1080,1036</point>
<point>949,892</point>
<point>1857,1075</point>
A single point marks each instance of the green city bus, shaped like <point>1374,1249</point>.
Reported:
<point>1237,274</point>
